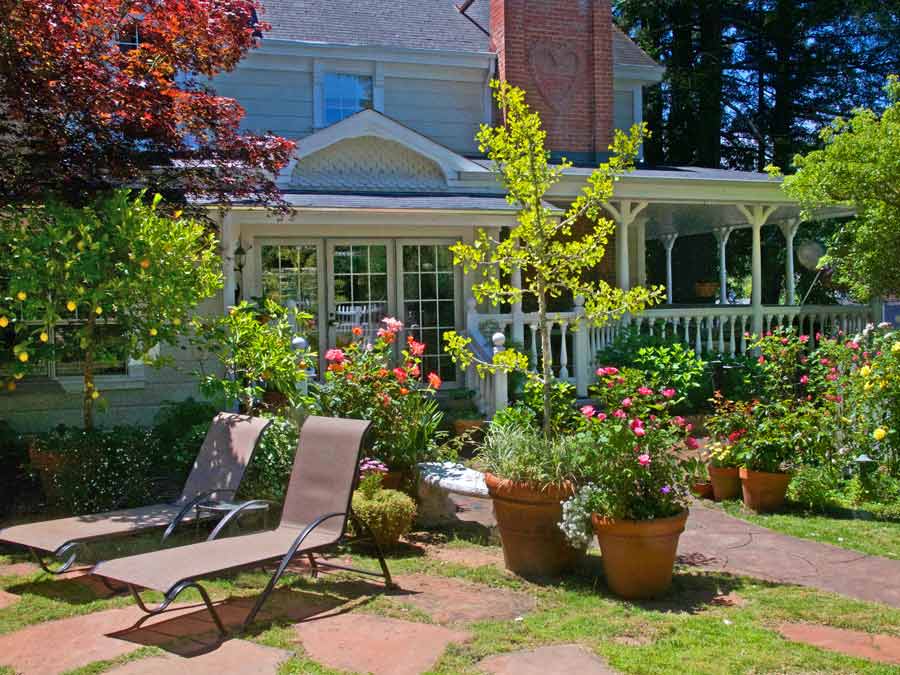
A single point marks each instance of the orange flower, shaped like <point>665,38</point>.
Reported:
<point>434,380</point>
<point>357,331</point>
<point>404,391</point>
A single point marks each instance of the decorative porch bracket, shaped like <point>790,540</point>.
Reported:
<point>757,215</point>
<point>668,241</point>
<point>624,213</point>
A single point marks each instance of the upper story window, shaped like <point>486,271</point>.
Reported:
<point>129,37</point>
<point>346,95</point>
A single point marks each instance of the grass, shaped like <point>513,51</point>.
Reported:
<point>690,631</point>
<point>845,529</point>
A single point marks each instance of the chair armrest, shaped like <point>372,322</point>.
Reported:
<point>234,514</point>
<point>192,504</point>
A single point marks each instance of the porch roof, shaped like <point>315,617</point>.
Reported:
<point>437,202</point>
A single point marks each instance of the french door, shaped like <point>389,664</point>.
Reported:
<point>350,283</point>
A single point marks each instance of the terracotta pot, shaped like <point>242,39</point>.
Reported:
<point>639,555</point>
<point>528,519</point>
<point>764,491</point>
<point>462,426</point>
<point>393,480</point>
<point>726,483</point>
<point>703,490</point>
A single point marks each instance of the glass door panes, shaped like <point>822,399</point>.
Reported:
<point>360,290</point>
<point>429,302</point>
<point>290,272</point>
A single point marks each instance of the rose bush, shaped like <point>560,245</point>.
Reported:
<point>364,381</point>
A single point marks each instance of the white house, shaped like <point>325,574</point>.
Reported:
<point>384,99</point>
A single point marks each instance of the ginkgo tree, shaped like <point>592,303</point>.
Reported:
<point>122,273</point>
<point>543,245</point>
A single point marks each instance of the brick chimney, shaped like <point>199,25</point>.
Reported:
<point>560,52</point>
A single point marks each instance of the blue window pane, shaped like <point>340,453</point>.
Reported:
<point>346,95</point>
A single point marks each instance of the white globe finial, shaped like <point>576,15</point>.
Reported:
<point>299,343</point>
<point>499,339</point>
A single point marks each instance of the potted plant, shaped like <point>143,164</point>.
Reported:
<point>528,477</point>
<point>462,413</point>
<point>388,513</point>
<point>723,471</point>
<point>728,424</point>
<point>636,491</point>
<point>698,477</point>
<point>363,381</point>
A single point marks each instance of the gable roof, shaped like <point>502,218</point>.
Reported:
<point>410,24</point>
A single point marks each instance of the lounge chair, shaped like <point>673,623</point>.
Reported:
<point>314,519</point>
<point>217,471</point>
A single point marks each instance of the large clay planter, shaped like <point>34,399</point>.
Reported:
<point>528,519</point>
<point>725,481</point>
<point>702,490</point>
<point>393,480</point>
<point>639,555</point>
<point>462,426</point>
<point>764,491</point>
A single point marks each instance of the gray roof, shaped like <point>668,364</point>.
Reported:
<point>411,24</point>
<point>416,202</point>
<point>680,173</point>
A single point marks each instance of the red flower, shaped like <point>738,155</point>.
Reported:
<point>692,443</point>
<point>400,374</point>
<point>434,380</point>
<point>416,348</point>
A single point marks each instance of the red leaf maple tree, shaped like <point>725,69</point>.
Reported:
<point>96,94</point>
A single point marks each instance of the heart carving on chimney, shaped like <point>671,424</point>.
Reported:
<point>555,67</point>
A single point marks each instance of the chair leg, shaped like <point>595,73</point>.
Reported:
<point>173,593</point>
<point>386,573</point>
<point>313,566</point>
<point>73,546</point>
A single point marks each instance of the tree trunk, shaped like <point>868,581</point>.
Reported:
<point>682,115</point>
<point>709,85</point>
<point>782,113</point>
<point>88,373</point>
<point>546,360</point>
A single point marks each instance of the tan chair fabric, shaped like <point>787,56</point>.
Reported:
<point>322,482</point>
<point>220,464</point>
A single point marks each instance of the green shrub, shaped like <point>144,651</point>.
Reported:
<point>388,513</point>
<point>14,479</point>
<point>270,468</point>
<point>877,486</point>
<point>815,488</point>
<point>523,454</point>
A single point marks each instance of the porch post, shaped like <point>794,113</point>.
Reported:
<point>624,214</point>
<point>229,236</point>
<point>789,230</point>
<point>722,235</point>
<point>668,240</point>
<point>757,216</point>
<point>518,324</point>
<point>641,234</point>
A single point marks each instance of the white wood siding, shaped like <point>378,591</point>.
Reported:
<point>623,110</point>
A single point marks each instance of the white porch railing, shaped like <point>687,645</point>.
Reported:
<point>716,330</point>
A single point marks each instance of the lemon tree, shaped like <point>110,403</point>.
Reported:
<point>122,273</point>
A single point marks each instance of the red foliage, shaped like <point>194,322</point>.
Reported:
<point>79,113</point>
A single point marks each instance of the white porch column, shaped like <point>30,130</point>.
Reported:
<point>722,235</point>
<point>624,213</point>
<point>229,235</point>
<point>641,234</point>
<point>789,230</point>
<point>668,240</point>
<point>518,324</point>
<point>756,216</point>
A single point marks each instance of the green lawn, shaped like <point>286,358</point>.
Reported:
<point>690,631</point>
<point>868,535</point>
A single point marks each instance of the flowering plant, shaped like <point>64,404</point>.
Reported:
<point>363,381</point>
<point>634,471</point>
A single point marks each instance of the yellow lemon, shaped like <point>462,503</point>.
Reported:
<point>98,310</point>
<point>21,296</point>
<point>176,322</point>
<point>95,394</point>
<point>896,348</point>
<point>71,306</point>
<point>44,337</point>
<point>153,332</point>
<point>23,357</point>
<point>879,434</point>
<point>4,322</point>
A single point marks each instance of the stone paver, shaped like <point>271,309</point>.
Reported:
<point>22,569</point>
<point>450,600</point>
<point>366,643</point>
<point>883,648</point>
<point>7,599</point>
<point>715,540</point>
<point>553,660</point>
<point>470,557</point>
<point>235,657</point>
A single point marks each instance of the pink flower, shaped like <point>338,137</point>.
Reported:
<point>761,360</point>
<point>824,361</point>
<point>434,381</point>
<point>639,431</point>
<point>644,460</point>
<point>636,423</point>
<point>804,339</point>
<point>620,414</point>
<point>645,391</point>
<point>626,402</point>
<point>784,341</point>
<point>668,393</point>
<point>601,416</point>
<point>587,410</point>
<point>679,420</point>
<point>609,370</point>
<point>692,442</point>
<point>831,377</point>
<point>416,348</point>
<point>392,324</point>
<point>335,355</point>
<point>400,374</point>
<point>804,379</point>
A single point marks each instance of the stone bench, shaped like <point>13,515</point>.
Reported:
<point>437,482</point>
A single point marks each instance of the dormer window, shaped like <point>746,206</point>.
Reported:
<point>346,95</point>
<point>129,37</point>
